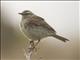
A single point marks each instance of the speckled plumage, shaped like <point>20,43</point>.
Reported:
<point>35,28</point>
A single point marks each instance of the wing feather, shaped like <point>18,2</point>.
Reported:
<point>38,21</point>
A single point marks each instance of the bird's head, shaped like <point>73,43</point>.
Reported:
<point>26,12</point>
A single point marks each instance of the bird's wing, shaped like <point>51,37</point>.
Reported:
<point>38,21</point>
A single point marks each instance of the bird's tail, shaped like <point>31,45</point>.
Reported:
<point>61,38</point>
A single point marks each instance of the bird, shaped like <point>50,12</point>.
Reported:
<point>36,28</point>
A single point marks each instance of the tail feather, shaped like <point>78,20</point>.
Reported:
<point>61,38</point>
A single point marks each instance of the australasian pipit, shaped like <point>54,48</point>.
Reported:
<point>36,28</point>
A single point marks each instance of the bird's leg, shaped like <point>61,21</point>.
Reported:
<point>32,46</point>
<point>37,42</point>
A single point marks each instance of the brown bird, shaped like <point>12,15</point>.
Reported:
<point>36,28</point>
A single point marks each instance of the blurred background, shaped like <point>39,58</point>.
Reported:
<point>62,16</point>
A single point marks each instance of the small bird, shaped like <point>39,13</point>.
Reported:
<point>36,28</point>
